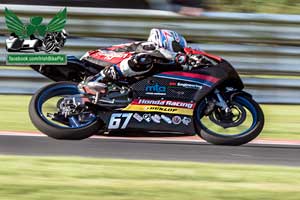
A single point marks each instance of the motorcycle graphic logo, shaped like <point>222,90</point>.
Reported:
<point>176,120</point>
<point>36,37</point>
<point>156,89</point>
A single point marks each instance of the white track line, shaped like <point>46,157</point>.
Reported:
<point>169,139</point>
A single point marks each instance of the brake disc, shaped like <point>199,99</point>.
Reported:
<point>231,119</point>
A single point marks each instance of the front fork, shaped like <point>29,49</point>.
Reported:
<point>218,101</point>
<point>221,102</point>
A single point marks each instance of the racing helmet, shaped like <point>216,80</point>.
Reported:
<point>167,39</point>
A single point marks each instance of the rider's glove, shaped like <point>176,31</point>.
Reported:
<point>181,59</point>
<point>198,60</point>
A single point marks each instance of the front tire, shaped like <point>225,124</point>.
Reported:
<point>52,130</point>
<point>214,137</point>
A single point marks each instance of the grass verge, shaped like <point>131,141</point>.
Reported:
<point>282,121</point>
<point>80,178</point>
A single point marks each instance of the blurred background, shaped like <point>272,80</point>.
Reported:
<point>262,6</point>
<point>259,37</point>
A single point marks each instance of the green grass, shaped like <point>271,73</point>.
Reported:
<point>35,178</point>
<point>14,113</point>
<point>282,121</point>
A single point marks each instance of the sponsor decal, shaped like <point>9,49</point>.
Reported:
<point>186,121</point>
<point>166,119</point>
<point>176,120</point>
<point>138,117</point>
<point>194,78</point>
<point>147,117</point>
<point>173,84</point>
<point>109,55</point>
<point>117,118</point>
<point>156,118</point>
<point>149,102</point>
<point>162,106</point>
<point>156,89</point>
<point>178,104</point>
<point>159,109</point>
<point>36,36</point>
<point>189,85</point>
<point>185,85</point>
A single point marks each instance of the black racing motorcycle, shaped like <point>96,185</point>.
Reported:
<point>208,100</point>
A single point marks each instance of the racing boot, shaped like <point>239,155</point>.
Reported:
<point>97,84</point>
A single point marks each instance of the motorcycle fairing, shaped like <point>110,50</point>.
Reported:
<point>164,102</point>
<point>146,121</point>
<point>162,87</point>
<point>175,85</point>
<point>106,57</point>
<point>74,71</point>
<point>191,51</point>
<point>201,79</point>
<point>224,76</point>
<point>165,87</point>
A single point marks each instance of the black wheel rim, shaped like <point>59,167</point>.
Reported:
<point>242,127</point>
<point>54,95</point>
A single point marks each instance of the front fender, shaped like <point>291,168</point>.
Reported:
<point>230,95</point>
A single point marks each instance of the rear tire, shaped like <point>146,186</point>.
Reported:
<point>62,133</point>
<point>232,140</point>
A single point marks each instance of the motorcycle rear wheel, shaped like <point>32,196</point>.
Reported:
<point>56,130</point>
<point>255,123</point>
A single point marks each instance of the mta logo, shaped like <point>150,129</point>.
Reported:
<point>156,88</point>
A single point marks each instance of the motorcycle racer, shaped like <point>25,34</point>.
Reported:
<point>138,58</point>
<point>159,85</point>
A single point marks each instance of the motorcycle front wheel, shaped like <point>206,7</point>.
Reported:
<point>45,113</point>
<point>243,124</point>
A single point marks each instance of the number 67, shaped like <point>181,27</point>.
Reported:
<point>115,120</point>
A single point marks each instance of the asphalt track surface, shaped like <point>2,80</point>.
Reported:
<point>142,149</point>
